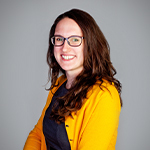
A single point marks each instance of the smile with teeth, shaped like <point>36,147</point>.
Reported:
<point>67,57</point>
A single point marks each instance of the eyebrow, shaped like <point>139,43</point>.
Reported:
<point>68,36</point>
<point>57,35</point>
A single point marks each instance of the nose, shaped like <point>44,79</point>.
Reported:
<point>65,46</point>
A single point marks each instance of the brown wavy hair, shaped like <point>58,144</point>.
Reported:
<point>96,66</point>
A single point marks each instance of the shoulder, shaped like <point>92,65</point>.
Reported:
<point>104,94</point>
<point>106,88</point>
<point>58,83</point>
<point>110,89</point>
<point>61,79</point>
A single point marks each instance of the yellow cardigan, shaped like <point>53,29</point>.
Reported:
<point>94,127</point>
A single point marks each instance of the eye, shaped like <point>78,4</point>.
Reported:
<point>75,39</point>
<point>59,39</point>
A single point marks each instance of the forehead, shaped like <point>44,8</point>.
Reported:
<point>67,27</point>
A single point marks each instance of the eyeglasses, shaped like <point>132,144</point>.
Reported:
<point>73,41</point>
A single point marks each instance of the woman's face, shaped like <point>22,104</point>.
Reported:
<point>69,58</point>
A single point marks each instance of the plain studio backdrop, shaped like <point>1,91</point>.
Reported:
<point>24,33</point>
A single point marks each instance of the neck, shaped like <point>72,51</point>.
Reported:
<point>70,79</point>
<point>71,75</point>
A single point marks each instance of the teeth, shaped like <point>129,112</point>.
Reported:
<point>67,57</point>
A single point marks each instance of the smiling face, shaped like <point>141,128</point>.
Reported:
<point>69,58</point>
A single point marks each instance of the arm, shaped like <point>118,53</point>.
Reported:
<point>101,130</point>
<point>36,140</point>
<point>33,141</point>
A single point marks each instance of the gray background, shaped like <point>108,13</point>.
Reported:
<point>24,31</point>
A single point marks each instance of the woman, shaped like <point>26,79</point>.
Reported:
<point>83,105</point>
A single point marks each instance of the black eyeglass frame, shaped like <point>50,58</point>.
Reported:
<point>66,40</point>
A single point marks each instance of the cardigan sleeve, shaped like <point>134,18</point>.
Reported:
<point>100,132</point>
<point>36,140</point>
<point>33,141</point>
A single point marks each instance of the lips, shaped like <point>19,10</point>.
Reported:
<point>66,57</point>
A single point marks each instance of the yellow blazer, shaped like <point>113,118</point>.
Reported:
<point>94,127</point>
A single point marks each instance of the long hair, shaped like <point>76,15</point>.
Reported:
<point>97,65</point>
